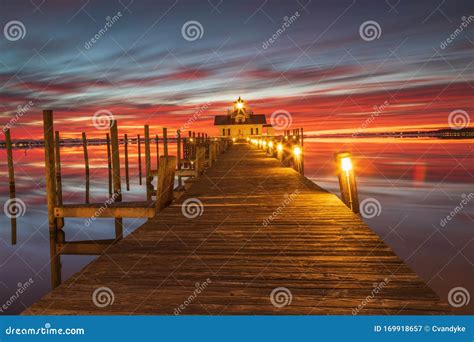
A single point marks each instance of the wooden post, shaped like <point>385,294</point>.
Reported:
<point>200,160</point>
<point>165,141</point>
<point>86,164</point>
<point>59,184</point>
<point>116,175</point>
<point>109,162</point>
<point>178,155</point>
<point>50,173</point>
<point>157,152</point>
<point>148,178</point>
<point>139,160</point>
<point>11,178</point>
<point>165,182</point>
<point>127,172</point>
<point>302,151</point>
<point>347,181</point>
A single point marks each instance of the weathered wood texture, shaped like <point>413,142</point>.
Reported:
<point>316,247</point>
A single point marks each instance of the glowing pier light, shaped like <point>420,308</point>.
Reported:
<point>297,151</point>
<point>279,147</point>
<point>233,139</point>
<point>346,164</point>
<point>270,144</point>
<point>248,139</point>
<point>264,143</point>
<point>191,139</point>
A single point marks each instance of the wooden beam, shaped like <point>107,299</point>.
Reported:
<point>148,178</point>
<point>139,160</point>
<point>93,247</point>
<point>109,162</point>
<point>127,172</point>
<point>101,210</point>
<point>116,175</point>
<point>50,174</point>
<point>165,141</point>
<point>347,182</point>
<point>59,185</point>
<point>165,182</point>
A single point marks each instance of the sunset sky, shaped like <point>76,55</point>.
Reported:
<point>320,69</point>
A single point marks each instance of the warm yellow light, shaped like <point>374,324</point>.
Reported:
<point>264,144</point>
<point>294,137</point>
<point>191,139</point>
<point>286,137</point>
<point>248,139</point>
<point>297,151</point>
<point>346,164</point>
<point>280,147</point>
<point>233,139</point>
<point>270,144</point>
<point>240,105</point>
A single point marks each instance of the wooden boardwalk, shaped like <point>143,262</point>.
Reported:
<point>329,261</point>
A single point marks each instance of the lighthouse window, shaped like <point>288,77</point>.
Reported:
<point>256,130</point>
<point>223,131</point>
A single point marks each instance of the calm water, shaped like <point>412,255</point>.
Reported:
<point>416,181</point>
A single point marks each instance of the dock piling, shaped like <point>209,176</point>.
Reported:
<point>109,163</point>
<point>11,178</point>
<point>59,185</point>
<point>86,165</point>
<point>148,178</point>
<point>117,186</point>
<point>139,160</point>
<point>347,181</point>
<point>127,172</point>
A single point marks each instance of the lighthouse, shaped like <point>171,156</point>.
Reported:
<point>240,122</point>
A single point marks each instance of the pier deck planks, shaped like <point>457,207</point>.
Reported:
<point>316,247</point>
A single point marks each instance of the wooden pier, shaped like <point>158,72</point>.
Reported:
<point>246,228</point>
